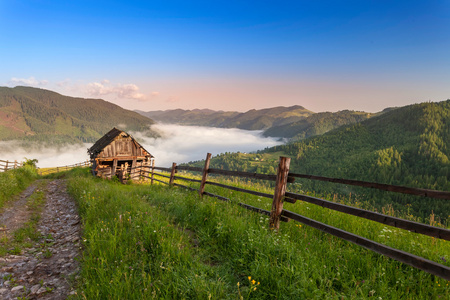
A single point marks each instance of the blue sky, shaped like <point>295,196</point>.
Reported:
<point>231,55</point>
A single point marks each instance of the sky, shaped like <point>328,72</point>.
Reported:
<point>230,55</point>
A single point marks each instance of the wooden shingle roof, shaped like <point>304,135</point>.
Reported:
<point>107,139</point>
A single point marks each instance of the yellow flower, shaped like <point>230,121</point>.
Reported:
<point>258,282</point>
<point>254,288</point>
<point>238,284</point>
<point>250,278</point>
<point>253,281</point>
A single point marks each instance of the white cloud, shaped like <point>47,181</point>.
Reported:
<point>27,81</point>
<point>124,91</point>
<point>178,144</point>
<point>188,143</point>
<point>47,157</point>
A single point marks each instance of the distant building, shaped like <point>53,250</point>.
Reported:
<point>118,154</point>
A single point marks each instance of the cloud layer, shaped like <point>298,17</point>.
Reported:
<point>179,144</point>
<point>189,143</point>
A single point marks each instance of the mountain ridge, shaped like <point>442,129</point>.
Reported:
<point>294,122</point>
<point>36,114</point>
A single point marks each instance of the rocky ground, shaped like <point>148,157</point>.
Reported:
<point>48,269</point>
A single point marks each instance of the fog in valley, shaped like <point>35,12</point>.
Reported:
<point>177,144</point>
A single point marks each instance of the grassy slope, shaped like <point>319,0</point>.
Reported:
<point>37,114</point>
<point>15,181</point>
<point>160,242</point>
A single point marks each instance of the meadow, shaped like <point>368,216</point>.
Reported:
<point>15,181</point>
<point>144,241</point>
<point>162,242</point>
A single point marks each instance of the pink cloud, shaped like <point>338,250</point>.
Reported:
<point>124,91</point>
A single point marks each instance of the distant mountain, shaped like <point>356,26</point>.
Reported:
<point>198,117</point>
<point>250,120</point>
<point>288,122</point>
<point>317,124</point>
<point>35,114</point>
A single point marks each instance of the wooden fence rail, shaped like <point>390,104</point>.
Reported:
<point>380,186</point>
<point>280,195</point>
<point>6,165</point>
<point>47,171</point>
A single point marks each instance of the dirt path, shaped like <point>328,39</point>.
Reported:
<point>47,270</point>
<point>13,216</point>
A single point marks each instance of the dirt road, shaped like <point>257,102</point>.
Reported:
<point>48,269</point>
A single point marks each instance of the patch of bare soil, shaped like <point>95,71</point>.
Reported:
<point>47,270</point>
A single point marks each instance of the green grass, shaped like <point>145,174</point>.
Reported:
<point>15,181</point>
<point>159,242</point>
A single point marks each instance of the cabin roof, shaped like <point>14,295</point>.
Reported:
<point>107,139</point>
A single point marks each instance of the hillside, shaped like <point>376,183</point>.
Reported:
<point>197,117</point>
<point>406,146</point>
<point>294,122</point>
<point>317,124</point>
<point>250,120</point>
<point>35,114</point>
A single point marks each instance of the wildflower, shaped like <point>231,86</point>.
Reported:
<point>253,281</point>
<point>238,284</point>
<point>249,278</point>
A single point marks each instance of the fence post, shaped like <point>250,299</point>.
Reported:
<point>6,166</point>
<point>153,171</point>
<point>172,173</point>
<point>205,174</point>
<point>15,164</point>
<point>280,190</point>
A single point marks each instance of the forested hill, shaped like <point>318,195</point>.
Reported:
<point>294,122</point>
<point>317,124</point>
<point>407,146</point>
<point>250,120</point>
<point>35,114</point>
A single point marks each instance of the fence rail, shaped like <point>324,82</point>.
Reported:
<point>46,171</point>
<point>380,186</point>
<point>6,165</point>
<point>280,195</point>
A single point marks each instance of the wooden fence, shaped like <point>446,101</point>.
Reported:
<point>281,195</point>
<point>6,165</point>
<point>46,171</point>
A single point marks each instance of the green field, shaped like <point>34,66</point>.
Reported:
<point>163,242</point>
<point>144,241</point>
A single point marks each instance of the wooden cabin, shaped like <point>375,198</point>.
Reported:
<point>118,154</point>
